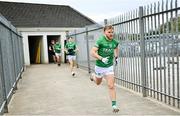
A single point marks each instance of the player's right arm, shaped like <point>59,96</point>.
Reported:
<point>50,48</point>
<point>94,50</point>
<point>95,54</point>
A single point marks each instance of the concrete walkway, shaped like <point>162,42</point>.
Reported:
<point>51,90</point>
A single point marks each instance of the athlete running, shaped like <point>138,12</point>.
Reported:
<point>105,50</point>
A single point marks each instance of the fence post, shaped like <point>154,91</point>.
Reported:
<point>5,109</point>
<point>142,46</point>
<point>105,22</point>
<point>65,55</point>
<point>13,58</point>
<point>88,53</point>
<point>77,65</point>
<point>22,50</point>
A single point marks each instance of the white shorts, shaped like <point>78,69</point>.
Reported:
<point>100,72</point>
<point>71,57</point>
<point>58,54</point>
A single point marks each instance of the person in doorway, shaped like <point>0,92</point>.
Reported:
<point>57,49</point>
<point>105,50</point>
<point>51,51</point>
<point>71,49</point>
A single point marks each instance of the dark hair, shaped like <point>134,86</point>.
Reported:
<point>70,37</point>
<point>52,40</point>
<point>108,27</point>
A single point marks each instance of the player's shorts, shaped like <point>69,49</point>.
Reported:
<point>101,71</point>
<point>58,54</point>
<point>52,53</point>
<point>71,57</point>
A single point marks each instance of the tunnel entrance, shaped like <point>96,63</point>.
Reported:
<point>35,49</point>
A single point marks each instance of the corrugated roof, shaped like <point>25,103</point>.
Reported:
<point>43,15</point>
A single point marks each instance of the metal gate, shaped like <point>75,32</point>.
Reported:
<point>149,50</point>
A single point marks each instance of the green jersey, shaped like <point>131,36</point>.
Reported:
<point>105,49</point>
<point>71,46</point>
<point>57,48</point>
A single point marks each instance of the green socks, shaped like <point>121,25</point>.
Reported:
<point>113,103</point>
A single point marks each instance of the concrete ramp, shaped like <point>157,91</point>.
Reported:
<point>47,89</point>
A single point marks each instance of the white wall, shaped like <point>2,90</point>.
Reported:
<point>44,44</point>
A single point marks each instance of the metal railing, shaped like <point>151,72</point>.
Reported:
<point>11,61</point>
<point>149,50</point>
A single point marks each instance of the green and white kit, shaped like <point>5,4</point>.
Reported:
<point>106,50</point>
<point>57,49</point>
<point>71,47</point>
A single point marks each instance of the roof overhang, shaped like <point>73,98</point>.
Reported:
<point>44,29</point>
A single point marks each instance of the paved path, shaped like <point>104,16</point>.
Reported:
<point>47,89</point>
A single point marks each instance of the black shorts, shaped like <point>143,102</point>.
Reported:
<point>52,53</point>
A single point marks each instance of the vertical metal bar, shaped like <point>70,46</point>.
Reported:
<point>105,22</point>
<point>125,30</point>
<point>128,53</point>
<point>143,70</point>
<point>132,55</point>
<point>120,56</point>
<point>22,50</point>
<point>117,69</point>
<point>148,55</point>
<point>177,58</point>
<point>135,47</point>
<point>125,33</point>
<point>134,52</point>
<point>137,59</point>
<point>123,61</point>
<point>18,49</point>
<point>164,52</point>
<point>118,64</point>
<point>65,56</point>
<point>124,58</point>
<point>22,60</point>
<point>16,58</point>
<point>127,40</point>
<point>160,53</point>
<point>120,53</point>
<point>156,53</point>
<point>132,49</point>
<point>152,52</point>
<point>168,41</point>
<point>88,56</point>
<point>173,53</point>
<point>75,37</point>
<point>125,52</point>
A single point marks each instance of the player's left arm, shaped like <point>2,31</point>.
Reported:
<point>116,52</point>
